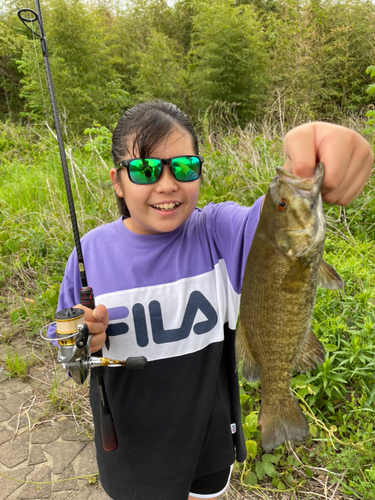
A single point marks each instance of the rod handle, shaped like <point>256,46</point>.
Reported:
<point>87,297</point>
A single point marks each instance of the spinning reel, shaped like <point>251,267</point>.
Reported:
<point>73,341</point>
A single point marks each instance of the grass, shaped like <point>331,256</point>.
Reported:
<point>338,397</point>
<point>15,366</point>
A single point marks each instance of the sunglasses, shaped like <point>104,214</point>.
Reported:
<point>148,170</point>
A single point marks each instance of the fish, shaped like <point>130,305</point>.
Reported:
<point>283,269</point>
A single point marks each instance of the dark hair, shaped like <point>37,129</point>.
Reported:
<point>141,128</point>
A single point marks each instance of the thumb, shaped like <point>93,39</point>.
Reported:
<point>99,312</point>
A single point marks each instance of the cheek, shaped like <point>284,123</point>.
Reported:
<point>135,195</point>
<point>194,193</point>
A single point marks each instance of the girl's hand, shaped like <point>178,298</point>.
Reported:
<point>97,321</point>
<point>346,155</point>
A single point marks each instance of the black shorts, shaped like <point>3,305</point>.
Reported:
<point>211,485</point>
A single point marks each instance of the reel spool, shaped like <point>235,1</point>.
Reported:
<point>72,335</point>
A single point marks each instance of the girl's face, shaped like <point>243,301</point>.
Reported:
<point>147,204</point>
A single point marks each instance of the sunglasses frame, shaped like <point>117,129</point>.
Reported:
<point>163,161</point>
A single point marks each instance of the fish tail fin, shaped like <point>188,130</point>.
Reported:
<point>284,423</point>
<point>250,369</point>
<point>311,353</point>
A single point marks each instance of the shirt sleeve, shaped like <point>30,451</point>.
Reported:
<point>232,229</point>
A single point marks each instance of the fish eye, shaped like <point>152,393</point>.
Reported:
<point>281,205</point>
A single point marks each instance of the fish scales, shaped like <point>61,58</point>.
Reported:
<point>278,294</point>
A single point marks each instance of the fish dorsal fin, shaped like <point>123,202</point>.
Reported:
<point>250,369</point>
<point>311,353</point>
<point>328,277</point>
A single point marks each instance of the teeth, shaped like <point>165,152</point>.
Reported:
<point>166,206</point>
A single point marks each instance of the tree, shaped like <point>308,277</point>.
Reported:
<point>319,51</point>
<point>11,44</point>
<point>227,59</point>
<point>87,85</point>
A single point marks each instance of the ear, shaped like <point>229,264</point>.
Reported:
<point>116,182</point>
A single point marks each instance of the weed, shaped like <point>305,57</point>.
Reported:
<point>15,365</point>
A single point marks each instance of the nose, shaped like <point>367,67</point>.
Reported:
<point>167,182</point>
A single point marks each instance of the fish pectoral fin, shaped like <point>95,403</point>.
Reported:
<point>250,369</point>
<point>311,353</point>
<point>328,277</point>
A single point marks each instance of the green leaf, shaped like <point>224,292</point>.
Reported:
<point>313,430</point>
<point>251,422</point>
<point>269,459</point>
<point>14,317</point>
<point>270,469</point>
<point>308,472</point>
<point>330,407</point>
<point>12,246</point>
<point>330,347</point>
<point>251,448</point>
<point>289,479</point>
<point>244,398</point>
<point>251,479</point>
<point>259,469</point>
<point>281,486</point>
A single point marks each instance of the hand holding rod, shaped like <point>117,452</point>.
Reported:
<point>87,297</point>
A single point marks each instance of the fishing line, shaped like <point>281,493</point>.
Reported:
<point>40,77</point>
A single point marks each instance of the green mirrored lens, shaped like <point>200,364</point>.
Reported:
<point>186,168</point>
<point>145,171</point>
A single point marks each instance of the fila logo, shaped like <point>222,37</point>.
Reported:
<point>197,302</point>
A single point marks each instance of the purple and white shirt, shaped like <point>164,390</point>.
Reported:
<point>173,298</point>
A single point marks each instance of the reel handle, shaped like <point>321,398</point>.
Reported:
<point>136,363</point>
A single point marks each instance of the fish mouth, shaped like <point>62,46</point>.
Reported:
<point>301,184</point>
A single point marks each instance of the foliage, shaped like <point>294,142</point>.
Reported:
<point>227,57</point>
<point>160,71</point>
<point>319,52</point>
<point>291,59</point>
<point>82,62</point>
<point>370,113</point>
<point>10,50</point>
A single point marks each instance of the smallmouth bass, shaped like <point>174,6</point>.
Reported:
<point>283,269</point>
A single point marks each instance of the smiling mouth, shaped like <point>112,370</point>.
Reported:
<point>166,206</point>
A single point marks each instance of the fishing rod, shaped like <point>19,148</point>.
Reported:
<point>72,334</point>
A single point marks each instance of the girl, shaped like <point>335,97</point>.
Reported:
<point>167,281</point>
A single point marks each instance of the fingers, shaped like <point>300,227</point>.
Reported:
<point>97,321</point>
<point>97,342</point>
<point>299,147</point>
<point>346,155</point>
